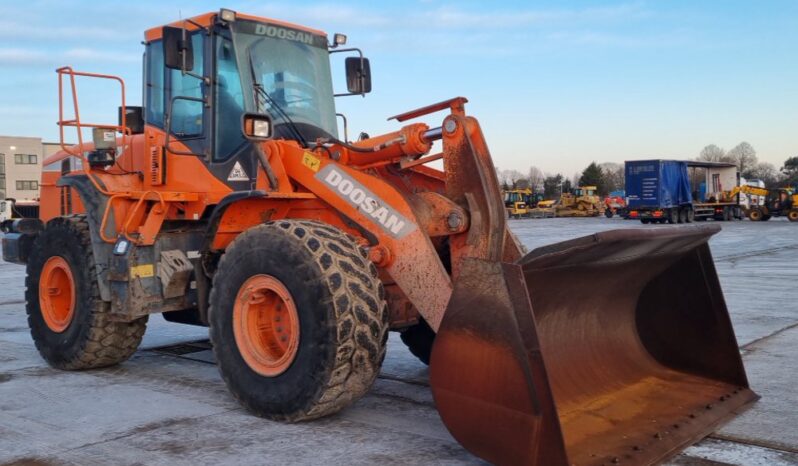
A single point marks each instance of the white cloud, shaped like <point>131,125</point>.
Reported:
<point>603,39</point>
<point>461,30</point>
<point>21,32</point>
<point>452,17</point>
<point>21,56</point>
<point>12,56</point>
<point>88,54</point>
<point>323,15</point>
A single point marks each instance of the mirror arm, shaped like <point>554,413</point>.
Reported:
<point>362,78</point>
<point>183,50</point>
<point>350,49</point>
<point>205,79</point>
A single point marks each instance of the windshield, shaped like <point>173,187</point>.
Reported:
<point>288,69</point>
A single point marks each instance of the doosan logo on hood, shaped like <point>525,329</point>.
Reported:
<point>358,196</point>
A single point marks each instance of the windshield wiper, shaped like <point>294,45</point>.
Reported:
<point>279,110</point>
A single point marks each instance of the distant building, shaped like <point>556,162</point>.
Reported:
<point>21,165</point>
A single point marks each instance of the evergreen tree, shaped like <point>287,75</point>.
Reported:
<point>593,176</point>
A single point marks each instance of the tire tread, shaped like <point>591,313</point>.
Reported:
<point>107,342</point>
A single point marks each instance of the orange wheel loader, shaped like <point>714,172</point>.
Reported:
<point>230,200</point>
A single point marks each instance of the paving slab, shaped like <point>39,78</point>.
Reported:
<point>772,367</point>
<point>714,452</point>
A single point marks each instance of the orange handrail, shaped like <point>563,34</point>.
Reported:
<point>76,123</point>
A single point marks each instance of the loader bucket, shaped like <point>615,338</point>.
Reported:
<point>614,348</point>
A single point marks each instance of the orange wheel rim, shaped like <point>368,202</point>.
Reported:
<point>57,294</point>
<point>266,325</point>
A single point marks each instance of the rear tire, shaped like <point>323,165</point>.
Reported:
<point>690,215</point>
<point>419,339</point>
<point>608,213</point>
<point>792,215</point>
<point>682,215</point>
<point>80,335</point>
<point>340,321</point>
<point>645,221</point>
<point>673,215</point>
<point>755,215</point>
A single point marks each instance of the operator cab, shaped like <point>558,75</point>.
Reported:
<point>218,83</point>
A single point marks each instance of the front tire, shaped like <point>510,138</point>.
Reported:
<point>68,321</point>
<point>335,320</point>
<point>792,215</point>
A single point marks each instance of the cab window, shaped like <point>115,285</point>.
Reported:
<point>154,105</point>
<point>229,102</point>
<point>187,115</point>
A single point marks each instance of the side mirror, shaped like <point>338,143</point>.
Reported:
<point>257,126</point>
<point>178,53</point>
<point>358,75</point>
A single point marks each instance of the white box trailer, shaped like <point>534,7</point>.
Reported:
<point>720,178</point>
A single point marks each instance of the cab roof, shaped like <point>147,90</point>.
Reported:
<point>207,19</point>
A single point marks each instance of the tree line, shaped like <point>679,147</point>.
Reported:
<point>606,177</point>
<point>744,156</point>
<point>609,176</point>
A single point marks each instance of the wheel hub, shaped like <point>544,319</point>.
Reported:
<point>266,325</point>
<point>57,294</point>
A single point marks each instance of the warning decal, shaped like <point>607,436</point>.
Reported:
<point>237,173</point>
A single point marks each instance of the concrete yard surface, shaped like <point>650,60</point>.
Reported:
<point>168,405</point>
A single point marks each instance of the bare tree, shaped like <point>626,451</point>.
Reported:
<point>613,174</point>
<point>713,153</point>
<point>536,178</point>
<point>509,179</point>
<point>764,171</point>
<point>744,155</point>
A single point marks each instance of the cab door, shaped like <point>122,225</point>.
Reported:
<point>176,108</point>
<point>233,159</point>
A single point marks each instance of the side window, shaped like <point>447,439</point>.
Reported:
<point>155,86</point>
<point>187,114</point>
<point>229,101</point>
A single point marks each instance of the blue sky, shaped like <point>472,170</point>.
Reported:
<point>555,84</point>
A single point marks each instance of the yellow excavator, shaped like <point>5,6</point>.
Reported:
<point>780,202</point>
<point>583,202</point>
<point>518,202</point>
